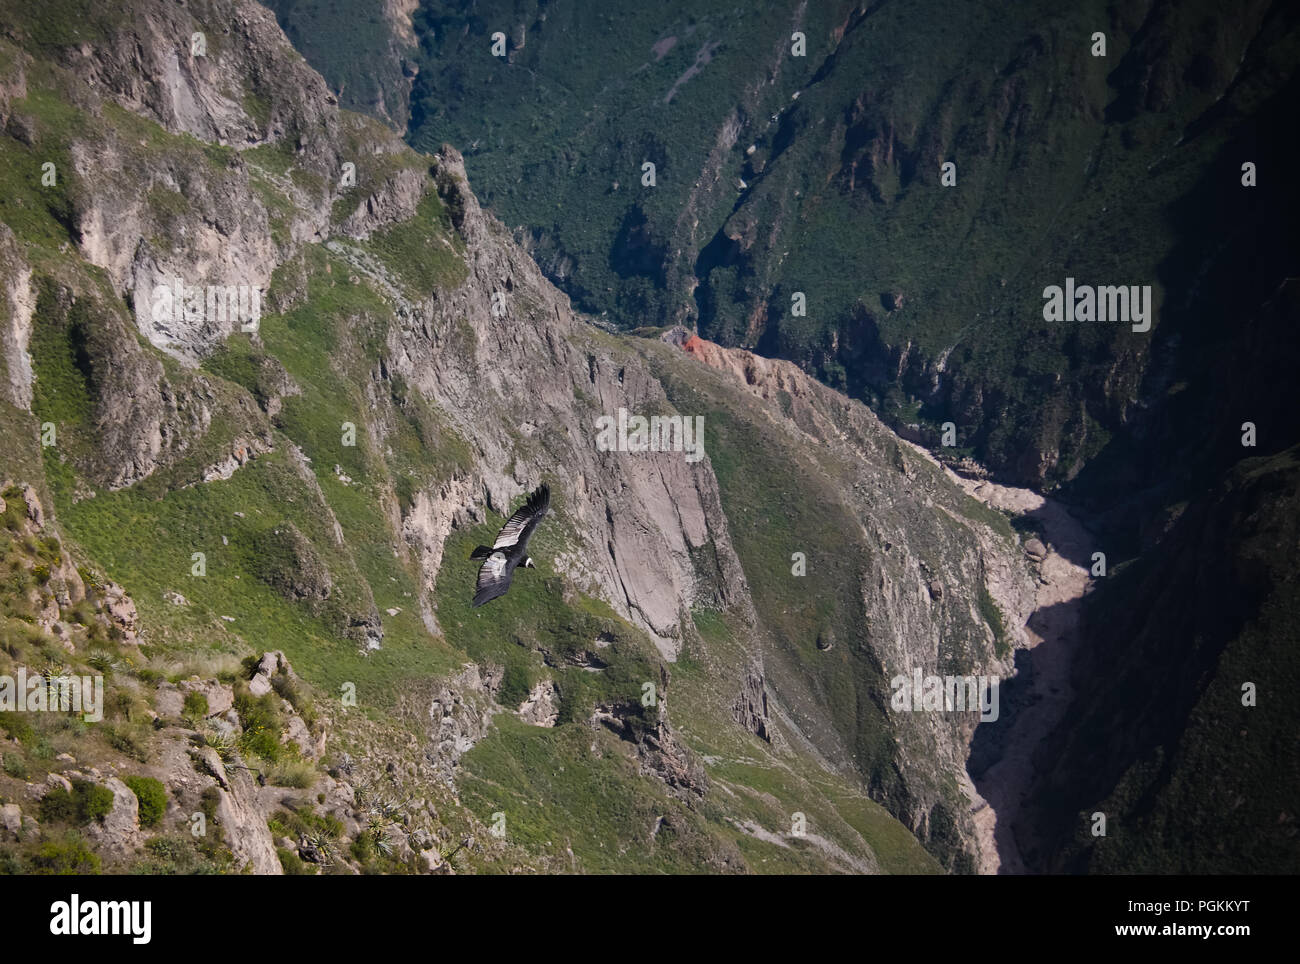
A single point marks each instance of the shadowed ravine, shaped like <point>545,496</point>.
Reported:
<point>1001,765</point>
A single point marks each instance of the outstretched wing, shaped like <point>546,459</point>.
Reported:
<point>493,578</point>
<point>520,526</point>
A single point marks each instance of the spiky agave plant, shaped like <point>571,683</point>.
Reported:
<point>323,845</point>
<point>55,677</point>
<point>223,741</point>
<point>102,661</point>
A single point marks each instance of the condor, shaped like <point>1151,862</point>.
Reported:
<point>510,549</point>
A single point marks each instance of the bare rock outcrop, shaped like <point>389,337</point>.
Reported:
<point>17,304</point>
<point>640,519</point>
<point>542,706</point>
<point>750,709</point>
<point>242,816</point>
<point>118,833</point>
<point>11,821</point>
<point>460,714</point>
<point>660,752</point>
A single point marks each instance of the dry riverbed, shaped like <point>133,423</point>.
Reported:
<point>1052,638</point>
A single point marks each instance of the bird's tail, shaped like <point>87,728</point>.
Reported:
<point>482,552</point>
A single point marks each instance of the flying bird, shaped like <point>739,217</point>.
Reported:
<point>510,549</point>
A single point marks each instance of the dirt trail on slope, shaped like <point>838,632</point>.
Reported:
<point>1052,637</point>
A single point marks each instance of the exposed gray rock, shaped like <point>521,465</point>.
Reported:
<point>272,664</point>
<point>169,701</point>
<point>542,707</point>
<point>16,324</point>
<point>660,752</point>
<point>520,387</point>
<point>119,832</point>
<point>394,200</point>
<point>242,816</point>
<point>297,733</point>
<point>750,709</point>
<point>11,820</point>
<point>460,714</point>
<point>220,697</point>
<point>260,685</point>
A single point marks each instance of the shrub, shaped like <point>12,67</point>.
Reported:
<point>993,617</point>
<point>152,797</point>
<point>129,738</point>
<point>292,691</point>
<point>15,766</point>
<point>83,613</point>
<point>305,822</point>
<point>122,705</point>
<point>87,801</point>
<point>293,773</point>
<point>93,801</point>
<point>516,683</point>
<point>213,842</point>
<point>208,803</point>
<point>57,806</point>
<point>181,855</point>
<point>16,727</point>
<point>65,855</point>
<point>293,864</point>
<point>260,717</point>
<point>167,855</point>
<point>196,706</point>
<point>42,748</point>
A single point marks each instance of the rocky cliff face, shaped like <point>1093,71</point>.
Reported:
<point>313,484</point>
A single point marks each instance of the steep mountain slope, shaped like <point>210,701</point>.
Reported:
<point>814,166</point>
<point>290,500</point>
<point>1157,160</point>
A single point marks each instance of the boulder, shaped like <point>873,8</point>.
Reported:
<point>219,696</point>
<point>169,701</point>
<point>296,732</point>
<point>53,780</point>
<point>11,820</point>
<point>119,832</point>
